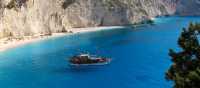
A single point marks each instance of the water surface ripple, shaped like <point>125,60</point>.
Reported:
<point>140,58</point>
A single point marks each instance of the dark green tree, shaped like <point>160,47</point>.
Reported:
<point>185,70</point>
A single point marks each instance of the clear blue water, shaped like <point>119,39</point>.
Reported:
<point>140,58</point>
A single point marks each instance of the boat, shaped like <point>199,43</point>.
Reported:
<point>87,59</point>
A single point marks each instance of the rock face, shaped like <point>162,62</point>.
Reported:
<point>31,17</point>
<point>188,7</point>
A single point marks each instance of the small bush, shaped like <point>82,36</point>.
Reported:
<point>67,3</point>
<point>16,4</point>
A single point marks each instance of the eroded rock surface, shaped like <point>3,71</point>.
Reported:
<point>32,17</point>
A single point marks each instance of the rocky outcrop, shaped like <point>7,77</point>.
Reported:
<point>31,17</point>
<point>188,8</point>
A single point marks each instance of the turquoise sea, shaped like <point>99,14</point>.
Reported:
<point>140,58</point>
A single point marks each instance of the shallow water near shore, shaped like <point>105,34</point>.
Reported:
<point>140,58</point>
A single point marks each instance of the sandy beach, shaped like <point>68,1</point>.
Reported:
<point>8,43</point>
<point>92,29</point>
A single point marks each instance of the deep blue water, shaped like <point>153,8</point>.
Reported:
<point>140,58</point>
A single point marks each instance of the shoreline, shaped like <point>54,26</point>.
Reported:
<point>9,44</point>
<point>6,44</point>
<point>94,29</point>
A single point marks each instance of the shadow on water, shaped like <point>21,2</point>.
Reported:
<point>79,69</point>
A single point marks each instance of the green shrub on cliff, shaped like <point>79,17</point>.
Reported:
<point>16,4</point>
<point>11,4</point>
<point>185,70</point>
<point>67,3</point>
